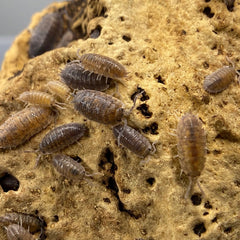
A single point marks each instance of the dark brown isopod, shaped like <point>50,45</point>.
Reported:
<point>62,137</point>
<point>69,168</point>
<point>30,222</point>
<point>21,126</point>
<point>46,34</point>
<point>191,143</point>
<point>76,77</point>
<point>133,140</point>
<point>17,232</point>
<point>103,65</point>
<point>99,106</point>
<point>219,80</point>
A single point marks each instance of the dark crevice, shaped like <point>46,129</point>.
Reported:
<point>196,199</point>
<point>199,229</point>
<point>144,110</point>
<point>152,128</point>
<point>227,135</point>
<point>144,96</point>
<point>207,12</point>
<point>151,181</point>
<point>95,33</point>
<point>126,38</point>
<point>9,182</point>
<point>76,158</point>
<point>108,166</point>
<point>55,218</point>
<point>159,79</point>
<point>208,205</point>
<point>227,230</point>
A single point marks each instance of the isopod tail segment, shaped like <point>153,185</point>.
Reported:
<point>192,181</point>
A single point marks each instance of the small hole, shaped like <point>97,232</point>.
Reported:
<point>102,13</point>
<point>122,19</point>
<point>55,218</point>
<point>150,181</point>
<point>106,200</point>
<point>205,213</point>
<point>205,65</point>
<point>76,158</point>
<point>196,199</point>
<point>9,182</point>
<point>228,230</point>
<point>152,128</point>
<point>207,1</point>
<point>207,12</point>
<point>110,43</point>
<point>159,79</point>
<point>144,110</point>
<point>199,229</point>
<point>95,33</point>
<point>126,38</point>
<point>208,205</point>
<point>214,220</point>
<point>126,190</point>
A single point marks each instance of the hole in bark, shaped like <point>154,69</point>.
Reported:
<point>9,182</point>
<point>207,12</point>
<point>126,38</point>
<point>151,181</point>
<point>144,110</point>
<point>152,128</point>
<point>199,229</point>
<point>208,205</point>
<point>196,199</point>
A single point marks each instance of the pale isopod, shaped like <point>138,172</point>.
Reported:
<point>39,98</point>
<point>21,126</point>
<point>69,168</point>
<point>99,106</point>
<point>219,80</point>
<point>76,77</point>
<point>133,140</point>
<point>62,137</point>
<point>17,232</point>
<point>103,65</point>
<point>58,88</point>
<point>191,143</point>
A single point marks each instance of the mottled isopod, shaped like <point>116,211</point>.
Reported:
<point>99,106</point>
<point>103,65</point>
<point>39,98</point>
<point>219,80</point>
<point>69,168</point>
<point>58,88</point>
<point>76,77</point>
<point>17,232</point>
<point>62,137</point>
<point>191,143</point>
<point>21,126</point>
<point>30,222</point>
<point>46,34</point>
<point>133,140</point>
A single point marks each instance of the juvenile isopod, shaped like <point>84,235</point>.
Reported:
<point>62,137</point>
<point>17,232</point>
<point>76,77</point>
<point>191,144</point>
<point>133,140</point>
<point>21,126</point>
<point>46,34</point>
<point>219,80</point>
<point>69,168</point>
<point>39,98</point>
<point>103,65</point>
<point>30,222</point>
<point>58,88</point>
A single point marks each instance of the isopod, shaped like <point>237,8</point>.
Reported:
<point>98,106</point>
<point>17,232</point>
<point>69,168</point>
<point>21,126</point>
<point>62,137</point>
<point>133,140</point>
<point>39,98</point>
<point>102,65</point>
<point>76,77</point>
<point>191,144</point>
<point>219,80</point>
<point>30,222</point>
<point>58,88</point>
<point>46,34</point>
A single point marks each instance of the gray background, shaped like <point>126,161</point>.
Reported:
<point>15,15</point>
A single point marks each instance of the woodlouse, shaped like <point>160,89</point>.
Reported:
<point>46,34</point>
<point>102,65</point>
<point>21,126</point>
<point>58,88</point>
<point>191,143</point>
<point>99,106</point>
<point>62,137</point>
<point>76,77</point>
<point>133,140</point>
<point>39,98</point>
<point>69,168</point>
<point>17,232</point>
<point>30,222</point>
<point>219,80</point>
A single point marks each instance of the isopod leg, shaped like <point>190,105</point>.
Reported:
<point>199,185</point>
<point>134,103</point>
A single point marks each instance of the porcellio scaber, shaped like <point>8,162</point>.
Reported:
<point>17,232</point>
<point>76,77</point>
<point>191,144</point>
<point>219,80</point>
<point>102,65</point>
<point>99,106</point>
<point>133,140</point>
<point>21,126</point>
<point>62,137</point>
<point>69,168</point>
